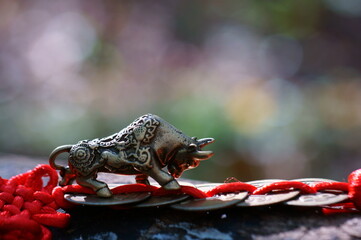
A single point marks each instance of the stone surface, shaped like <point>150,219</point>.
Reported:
<point>277,222</point>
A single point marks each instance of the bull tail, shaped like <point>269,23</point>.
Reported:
<point>65,173</point>
<point>54,154</point>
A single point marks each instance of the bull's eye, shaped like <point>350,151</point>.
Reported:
<point>192,147</point>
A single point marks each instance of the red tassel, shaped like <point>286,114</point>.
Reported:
<point>19,222</point>
<point>354,180</point>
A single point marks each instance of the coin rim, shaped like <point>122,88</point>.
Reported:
<point>295,194</point>
<point>102,201</point>
<point>144,204</point>
<point>180,206</point>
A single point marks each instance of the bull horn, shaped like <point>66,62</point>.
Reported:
<point>204,142</point>
<point>203,155</point>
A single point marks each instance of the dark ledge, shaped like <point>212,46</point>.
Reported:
<point>277,222</point>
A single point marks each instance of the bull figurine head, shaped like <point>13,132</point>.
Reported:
<point>190,156</point>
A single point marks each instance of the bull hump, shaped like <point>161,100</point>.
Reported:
<point>169,135</point>
<point>169,140</point>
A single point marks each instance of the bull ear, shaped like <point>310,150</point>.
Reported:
<point>192,147</point>
<point>202,155</point>
<point>204,142</point>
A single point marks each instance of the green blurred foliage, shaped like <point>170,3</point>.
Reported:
<point>276,83</point>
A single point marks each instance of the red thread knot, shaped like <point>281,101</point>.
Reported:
<point>231,187</point>
<point>6,197</point>
<point>285,185</point>
<point>26,193</point>
<point>354,180</point>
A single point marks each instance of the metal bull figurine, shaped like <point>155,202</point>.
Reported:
<point>143,148</point>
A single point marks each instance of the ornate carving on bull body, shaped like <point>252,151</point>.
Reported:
<point>143,148</point>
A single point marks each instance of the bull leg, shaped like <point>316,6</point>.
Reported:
<point>172,185</point>
<point>163,178</point>
<point>67,177</point>
<point>142,178</point>
<point>67,180</point>
<point>99,187</point>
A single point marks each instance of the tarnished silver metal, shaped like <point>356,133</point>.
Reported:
<point>211,203</point>
<point>318,199</point>
<point>116,199</point>
<point>158,201</point>
<point>267,199</point>
<point>207,186</point>
<point>143,148</point>
<point>261,183</point>
<point>311,181</point>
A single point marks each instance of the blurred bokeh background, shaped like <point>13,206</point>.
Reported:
<point>277,83</point>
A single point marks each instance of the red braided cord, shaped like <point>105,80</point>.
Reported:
<point>322,186</point>
<point>231,187</point>
<point>26,205</point>
<point>284,185</point>
<point>345,207</point>
<point>353,187</point>
<point>354,193</point>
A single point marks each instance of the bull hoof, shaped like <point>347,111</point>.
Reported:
<point>104,192</point>
<point>172,185</point>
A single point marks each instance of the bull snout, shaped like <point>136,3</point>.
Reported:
<point>195,164</point>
